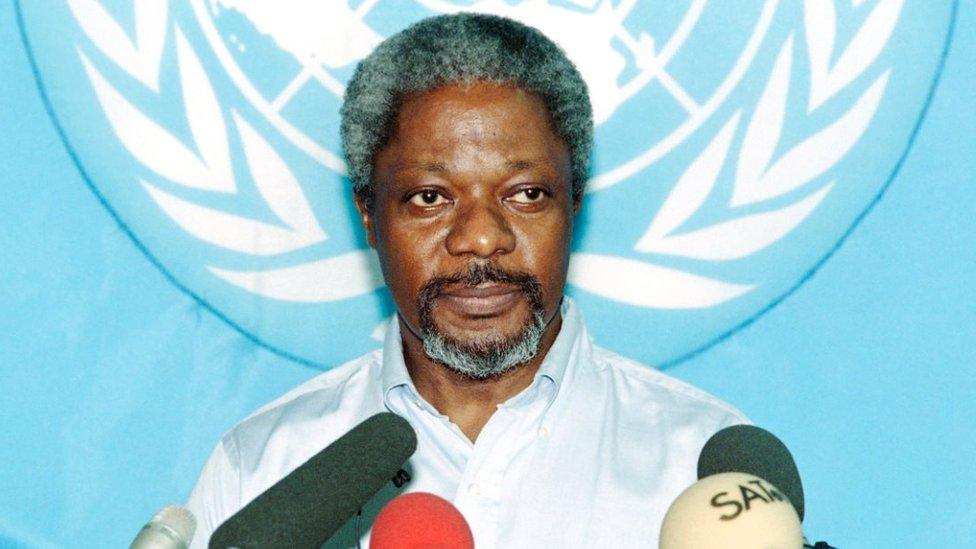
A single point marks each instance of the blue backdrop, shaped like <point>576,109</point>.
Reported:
<point>116,383</point>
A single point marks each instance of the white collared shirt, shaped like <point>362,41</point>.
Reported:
<point>591,454</point>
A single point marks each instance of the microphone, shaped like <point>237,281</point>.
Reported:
<point>420,520</point>
<point>306,507</point>
<point>171,528</point>
<point>746,477</point>
<point>756,451</point>
<point>731,511</point>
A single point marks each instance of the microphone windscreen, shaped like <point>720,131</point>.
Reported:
<point>171,528</point>
<point>420,520</point>
<point>306,507</point>
<point>750,449</point>
<point>731,511</point>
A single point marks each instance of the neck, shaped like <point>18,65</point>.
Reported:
<point>469,402</point>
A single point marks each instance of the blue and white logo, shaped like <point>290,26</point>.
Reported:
<point>738,143</point>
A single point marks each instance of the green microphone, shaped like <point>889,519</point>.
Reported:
<point>306,507</point>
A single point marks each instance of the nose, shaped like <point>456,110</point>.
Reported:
<point>481,230</point>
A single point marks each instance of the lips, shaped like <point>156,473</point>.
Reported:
<point>481,300</point>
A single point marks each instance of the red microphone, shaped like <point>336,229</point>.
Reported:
<point>420,520</point>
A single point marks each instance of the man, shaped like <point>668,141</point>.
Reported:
<point>467,139</point>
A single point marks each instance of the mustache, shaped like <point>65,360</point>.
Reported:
<point>481,273</point>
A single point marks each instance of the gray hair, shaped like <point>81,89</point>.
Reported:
<point>462,48</point>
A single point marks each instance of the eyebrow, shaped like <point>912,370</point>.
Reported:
<point>521,164</point>
<point>435,167</point>
<point>441,167</point>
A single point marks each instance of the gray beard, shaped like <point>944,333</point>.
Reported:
<point>490,356</point>
<point>487,357</point>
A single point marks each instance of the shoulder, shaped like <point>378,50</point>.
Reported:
<point>651,388</point>
<point>353,375</point>
<point>280,436</point>
<point>307,418</point>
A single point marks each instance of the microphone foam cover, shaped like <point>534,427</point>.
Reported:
<point>420,520</point>
<point>311,503</point>
<point>171,528</point>
<point>756,451</point>
<point>731,511</point>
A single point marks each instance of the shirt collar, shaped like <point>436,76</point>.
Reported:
<point>561,355</point>
<point>560,361</point>
<point>394,370</point>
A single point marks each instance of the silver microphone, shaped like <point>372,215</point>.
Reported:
<point>171,528</point>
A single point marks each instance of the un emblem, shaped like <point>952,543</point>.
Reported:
<point>737,145</point>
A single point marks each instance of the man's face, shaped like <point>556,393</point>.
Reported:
<point>473,216</point>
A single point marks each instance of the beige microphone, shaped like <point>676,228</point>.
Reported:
<point>171,528</point>
<point>731,511</point>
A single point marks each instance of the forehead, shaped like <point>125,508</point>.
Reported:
<point>487,117</point>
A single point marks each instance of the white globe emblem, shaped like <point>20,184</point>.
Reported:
<point>325,37</point>
<point>322,42</point>
<point>751,129</point>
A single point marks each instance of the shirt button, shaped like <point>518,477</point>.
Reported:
<point>474,489</point>
<point>543,432</point>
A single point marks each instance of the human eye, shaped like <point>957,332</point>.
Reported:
<point>529,195</point>
<point>427,198</point>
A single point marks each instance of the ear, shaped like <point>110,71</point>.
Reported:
<point>366,217</point>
